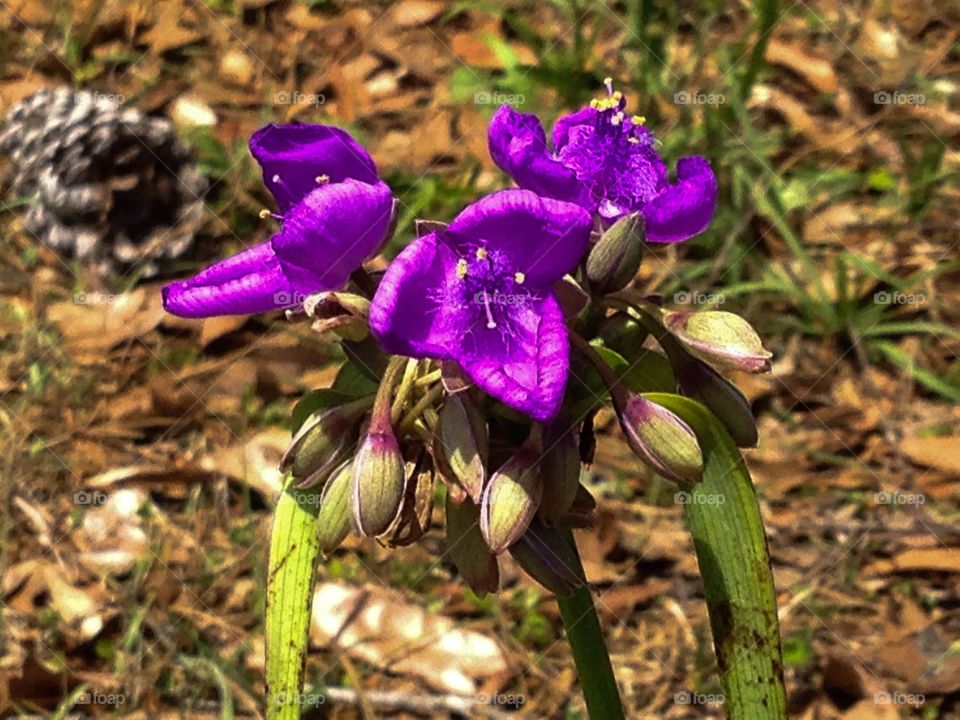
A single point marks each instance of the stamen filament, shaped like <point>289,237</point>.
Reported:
<point>491,323</point>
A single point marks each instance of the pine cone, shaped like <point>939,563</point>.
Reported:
<point>113,187</point>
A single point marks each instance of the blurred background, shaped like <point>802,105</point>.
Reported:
<point>139,451</point>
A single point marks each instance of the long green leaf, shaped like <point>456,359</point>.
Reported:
<point>294,547</point>
<point>724,519</point>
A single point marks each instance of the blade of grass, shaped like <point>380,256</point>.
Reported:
<point>724,518</point>
<point>294,547</point>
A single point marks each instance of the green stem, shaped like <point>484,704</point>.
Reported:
<point>589,649</point>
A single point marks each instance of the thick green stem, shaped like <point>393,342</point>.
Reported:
<point>589,649</point>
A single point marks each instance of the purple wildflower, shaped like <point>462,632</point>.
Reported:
<point>606,162</point>
<point>480,292</point>
<point>336,212</point>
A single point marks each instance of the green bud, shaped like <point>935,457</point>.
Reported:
<point>623,334</point>
<point>546,556</point>
<point>613,262</point>
<point>662,440</point>
<point>378,480</point>
<point>510,500</point>
<point>559,470</point>
<point>467,548</point>
<point>333,516</point>
<point>719,338</point>
<point>698,380</point>
<point>323,442</point>
<point>461,444</point>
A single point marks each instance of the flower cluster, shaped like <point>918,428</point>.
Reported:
<point>461,354</point>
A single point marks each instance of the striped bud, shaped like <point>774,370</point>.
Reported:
<point>323,442</point>
<point>510,499</point>
<point>662,440</point>
<point>333,517</point>
<point>719,338</point>
<point>614,260</point>
<point>378,480</point>
<point>461,444</point>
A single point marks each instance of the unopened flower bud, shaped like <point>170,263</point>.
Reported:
<point>510,499</point>
<point>333,516</point>
<point>719,338</point>
<point>661,439</point>
<point>468,549</point>
<point>378,479</point>
<point>323,442</point>
<point>461,444</point>
<point>623,334</point>
<point>698,380</point>
<point>546,556</point>
<point>559,471</point>
<point>614,260</point>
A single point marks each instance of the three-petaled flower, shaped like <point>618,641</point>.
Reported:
<point>606,162</point>
<point>335,213</point>
<point>480,292</point>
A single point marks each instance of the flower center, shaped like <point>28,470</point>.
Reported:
<point>615,157</point>
<point>491,284</point>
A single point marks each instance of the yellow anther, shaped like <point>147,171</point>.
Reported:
<point>519,277</point>
<point>481,254</point>
<point>595,103</point>
<point>638,119</point>
<point>617,96</point>
<point>264,214</point>
<point>322,179</point>
<point>461,268</point>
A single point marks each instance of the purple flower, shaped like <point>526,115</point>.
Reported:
<point>480,292</point>
<point>607,163</point>
<point>336,212</point>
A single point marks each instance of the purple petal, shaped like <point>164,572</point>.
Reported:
<point>329,235</point>
<point>686,207</point>
<point>249,282</point>
<point>519,147</point>
<point>294,156</point>
<point>563,125</point>
<point>408,314</point>
<point>526,369</point>
<point>542,238</point>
